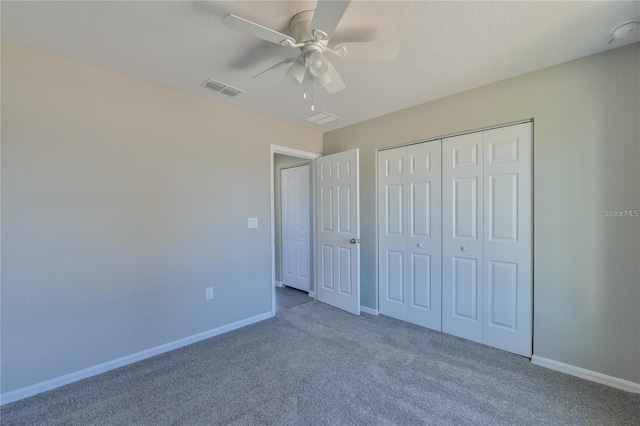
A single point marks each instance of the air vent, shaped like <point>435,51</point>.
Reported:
<point>221,87</point>
<point>322,118</point>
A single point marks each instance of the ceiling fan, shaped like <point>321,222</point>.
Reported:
<point>311,31</point>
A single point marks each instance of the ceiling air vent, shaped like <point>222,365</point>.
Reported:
<point>322,118</point>
<point>221,87</point>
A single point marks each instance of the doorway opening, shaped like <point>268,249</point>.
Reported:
<point>292,252</point>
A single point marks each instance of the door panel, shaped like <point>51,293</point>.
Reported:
<point>465,208</point>
<point>392,240</point>
<point>421,281</point>
<point>465,288</point>
<point>409,258</point>
<point>508,292</point>
<point>424,259</point>
<point>296,227</point>
<point>338,230</point>
<point>394,217</point>
<point>462,239</point>
<point>502,294</point>
<point>395,276</point>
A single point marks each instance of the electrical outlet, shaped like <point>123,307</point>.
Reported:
<point>208,293</point>
<point>252,222</point>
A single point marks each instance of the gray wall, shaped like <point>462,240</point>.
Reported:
<point>282,161</point>
<point>121,201</point>
<point>586,159</point>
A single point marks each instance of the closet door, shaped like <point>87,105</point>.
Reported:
<point>392,232</point>
<point>462,235</point>
<point>410,233</point>
<point>423,252</point>
<point>507,241</point>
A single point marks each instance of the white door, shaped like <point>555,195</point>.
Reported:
<point>338,230</point>
<point>410,233</point>
<point>486,245</point>
<point>507,241</point>
<point>295,227</point>
<point>424,234</point>
<point>392,233</point>
<point>462,235</point>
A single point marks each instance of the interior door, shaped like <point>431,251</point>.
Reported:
<point>295,227</point>
<point>462,235</point>
<point>338,230</point>
<point>508,292</point>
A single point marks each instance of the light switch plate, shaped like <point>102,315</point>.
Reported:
<point>252,222</point>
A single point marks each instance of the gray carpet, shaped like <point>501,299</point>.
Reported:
<point>313,364</point>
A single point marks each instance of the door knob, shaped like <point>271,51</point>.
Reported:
<point>463,248</point>
<point>354,241</point>
<point>419,245</point>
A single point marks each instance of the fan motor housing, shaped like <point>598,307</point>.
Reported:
<point>301,29</point>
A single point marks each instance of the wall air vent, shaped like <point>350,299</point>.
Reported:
<point>223,88</point>
<point>322,118</point>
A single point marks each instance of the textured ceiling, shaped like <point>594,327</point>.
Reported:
<point>446,47</point>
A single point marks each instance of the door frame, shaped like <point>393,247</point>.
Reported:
<point>273,150</point>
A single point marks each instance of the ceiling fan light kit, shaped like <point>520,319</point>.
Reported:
<point>311,32</point>
<point>318,64</point>
<point>297,70</point>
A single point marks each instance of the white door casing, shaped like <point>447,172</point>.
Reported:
<point>410,233</point>
<point>508,287</point>
<point>295,227</point>
<point>338,230</point>
<point>462,235</point>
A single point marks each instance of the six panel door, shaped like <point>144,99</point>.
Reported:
<point>338,230</point>
<point>295,227</point>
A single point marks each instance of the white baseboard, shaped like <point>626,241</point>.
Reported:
<point>312,294</point>
<point>37,388</point>
<point>368,310</point>
<point>586,374</point>
<point>279,284</point>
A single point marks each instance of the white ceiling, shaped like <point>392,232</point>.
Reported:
<point>446,47</point>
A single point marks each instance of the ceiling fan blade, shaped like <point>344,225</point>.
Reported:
<point>336,84</point>
<point>256,30</point>
<point>285,61</point>
<point>328,14</point>
<point>372,51</point>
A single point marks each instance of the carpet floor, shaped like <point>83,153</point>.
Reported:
<point>313,364</point>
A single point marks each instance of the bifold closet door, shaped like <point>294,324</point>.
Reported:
<point>486,242</point>
<point>508,292</point>
<point>462,235</point>
<point>410,233</point>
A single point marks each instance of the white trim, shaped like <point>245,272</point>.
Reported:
<point>279,284</point>
<point>312,294</point>
<point>586,374</point>
<point>367,310</point>
<point>47,385</point>
<point>276,149</point>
